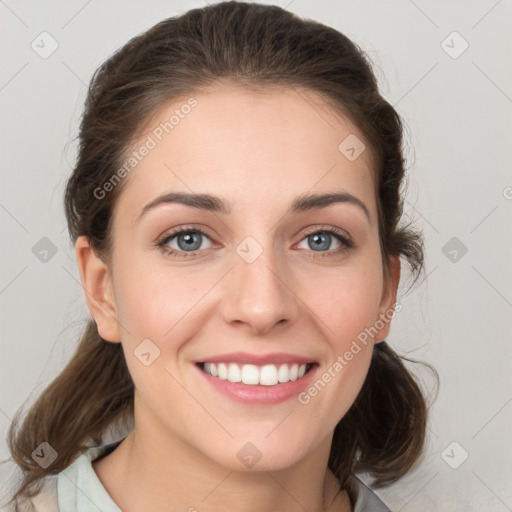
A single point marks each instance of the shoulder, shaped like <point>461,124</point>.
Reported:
<point>44,501</point>
<point>367,500</point>
<point>78,486</point>
<point>60,492</point>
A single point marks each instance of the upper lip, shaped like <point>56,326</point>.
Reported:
<point>258,359</point>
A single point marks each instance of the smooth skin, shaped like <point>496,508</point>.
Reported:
<point>258,152</point>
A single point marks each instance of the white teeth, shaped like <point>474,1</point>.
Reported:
<point>250,374</point>
<point>293,371</point>
<point>223,371</point>
<point>267,375</point>
<point>234,373</point>
<point>283,374</point>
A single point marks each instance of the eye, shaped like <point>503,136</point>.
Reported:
<point>188,240</point>
<point>322,239</point>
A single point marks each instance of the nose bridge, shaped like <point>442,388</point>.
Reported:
<point>258,293</point>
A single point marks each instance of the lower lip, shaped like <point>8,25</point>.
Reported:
<point>259,394</point>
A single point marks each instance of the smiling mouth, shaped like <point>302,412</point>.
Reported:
<point>253,375</point>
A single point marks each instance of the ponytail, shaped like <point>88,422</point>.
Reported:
<point>383,432</point>
<point>94,391</point>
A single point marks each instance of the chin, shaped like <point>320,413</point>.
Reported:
<point>263,455</point>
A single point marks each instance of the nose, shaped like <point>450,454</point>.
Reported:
<point>259,295</point>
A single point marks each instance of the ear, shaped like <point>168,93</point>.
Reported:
<point>387,304</point>
<point>98,289</point>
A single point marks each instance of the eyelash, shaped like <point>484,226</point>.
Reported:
<point>161,244</point>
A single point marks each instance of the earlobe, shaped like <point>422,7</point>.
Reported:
<point>98,290</point>
<point>387,305</point>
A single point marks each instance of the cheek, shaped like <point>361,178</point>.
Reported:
<point>347,309</point>
<point>155,301</point>
<point>151,301</point>
<point>347,302</point>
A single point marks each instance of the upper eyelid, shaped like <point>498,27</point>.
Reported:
<point>180,230</point>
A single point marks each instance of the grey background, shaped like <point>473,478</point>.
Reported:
<point>458,112</point>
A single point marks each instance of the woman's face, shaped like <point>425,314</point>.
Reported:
<point>263,280</point>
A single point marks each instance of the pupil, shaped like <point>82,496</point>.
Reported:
<point>189,241</point>
<point>317,238</point>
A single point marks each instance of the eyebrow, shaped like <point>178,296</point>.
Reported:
<point>217,204</point>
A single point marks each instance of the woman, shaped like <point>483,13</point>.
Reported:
<point>235,211</point>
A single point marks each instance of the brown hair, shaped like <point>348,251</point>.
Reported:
<point>254,45</point>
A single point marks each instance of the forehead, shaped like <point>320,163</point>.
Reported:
<point>231,141</point>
